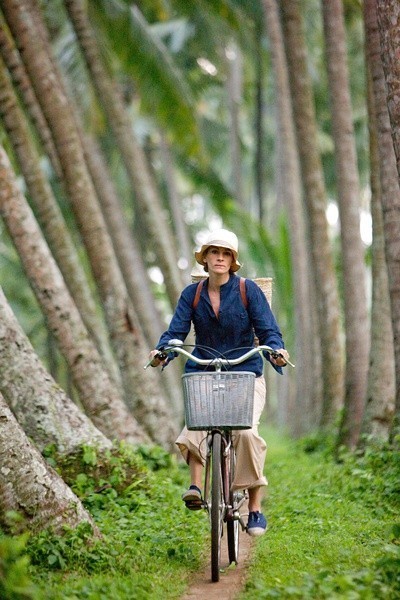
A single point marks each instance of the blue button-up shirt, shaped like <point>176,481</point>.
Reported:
<point>232,332</point>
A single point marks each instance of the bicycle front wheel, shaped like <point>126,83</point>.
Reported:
<point>217,507</point>
<point>232,525</point>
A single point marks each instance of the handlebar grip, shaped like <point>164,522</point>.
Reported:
<point>161,355</point>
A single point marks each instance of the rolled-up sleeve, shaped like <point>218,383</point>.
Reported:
<point>265,326</point>
<point>179,326</point>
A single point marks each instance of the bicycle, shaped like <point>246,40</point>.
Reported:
<point>219,402</point>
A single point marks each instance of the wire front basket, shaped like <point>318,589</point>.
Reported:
<point>218,399</point>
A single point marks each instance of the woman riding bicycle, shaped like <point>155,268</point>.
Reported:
<point>223,323</point>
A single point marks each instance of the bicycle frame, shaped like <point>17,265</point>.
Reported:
<point>229,503</point>
<point>226,448</point>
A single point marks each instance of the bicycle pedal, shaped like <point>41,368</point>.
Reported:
<point>194,505</point>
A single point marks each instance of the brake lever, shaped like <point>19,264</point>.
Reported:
<point>160,355</point>
<point>279,355</point>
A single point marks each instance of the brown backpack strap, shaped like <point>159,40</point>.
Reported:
<point>242,284</point>
<point>198,292</point>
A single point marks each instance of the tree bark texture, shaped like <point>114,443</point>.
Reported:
<point>355,299</point>
<point>183,241</point>
<point>30,487</point>
<point>142,394</point>
<point>234,98</point>
<point>146,194</point>
<point>133,270</point>
<point>305,384</point>
<point>379,406</point>
<point>126,249</point>
<point>97,394</point>
<point>41,407</point>
<point>384,188</point>
<point>259,166</point>
<point>327,296</point>
<point>17,71</point>
<point>388,14</point>
<point>50,217</point>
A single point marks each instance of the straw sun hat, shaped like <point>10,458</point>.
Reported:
<point>220,239</point>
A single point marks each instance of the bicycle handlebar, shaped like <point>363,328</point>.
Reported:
<point>217,362</point>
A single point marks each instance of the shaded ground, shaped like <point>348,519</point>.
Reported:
<point>231,578</point>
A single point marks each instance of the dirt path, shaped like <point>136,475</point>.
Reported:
<point>231,578</point>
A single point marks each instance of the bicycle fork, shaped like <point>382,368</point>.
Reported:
<point>233,500</point>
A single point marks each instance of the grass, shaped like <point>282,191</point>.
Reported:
<point>150,545</point>
<point>333,530</point>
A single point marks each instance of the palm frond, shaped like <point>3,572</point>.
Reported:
<point>164,93</point>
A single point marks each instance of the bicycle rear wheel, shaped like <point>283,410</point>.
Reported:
<point>232,525</point>
<point>217,507</point>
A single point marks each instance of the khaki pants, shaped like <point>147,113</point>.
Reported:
<point>250,447</point>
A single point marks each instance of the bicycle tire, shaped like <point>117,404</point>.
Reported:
<point>232,526</point>
<point>216,507</point>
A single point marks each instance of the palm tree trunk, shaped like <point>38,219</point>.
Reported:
<point>147,197</point>
<point>126,248</point>
<point>17,71</point>
<point>32,488</point>
<point>327,296</point>
<point>174,202</point>
<point>41,407</point>
<point>388,14</point>
<point>259,165</point>
<point>302,417</point>
<point>379,407</point>
<point>355,298</point>
<point>50,218</point>
<point>97,394</point>
<point>141,390</point>
<point>234,94</point>
<point>132,267</point>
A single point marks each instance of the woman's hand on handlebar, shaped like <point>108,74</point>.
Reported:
<point>157,358</point>
<point>280,357</point>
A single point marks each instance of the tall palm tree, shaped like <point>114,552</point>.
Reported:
<point>142,392</point>
<point>174,202</point>
<point>139,173</point>
<point>326,289</point>
<point>388,20</point>
<point>126,248</point>
<point>97,393</point>
<point>305,383</point>
<point>379,406</point>
<point>13,62</point>
<point>48,212</point>
<point>30,487</point>
<point>41,407</point>
<point>132,266</point>
<point>234,94</point>
<point>355,298</point>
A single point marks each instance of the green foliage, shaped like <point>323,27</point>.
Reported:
<point>163,88</point>
<point>155,457</point>
<point>15,582</point>
<point>148,541</point>
<point>333,527</point>
<point>90,471</point>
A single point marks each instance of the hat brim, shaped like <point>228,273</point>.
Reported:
<point>199,255</point>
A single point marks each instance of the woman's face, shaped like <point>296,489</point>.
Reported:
<point>218,260</point>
